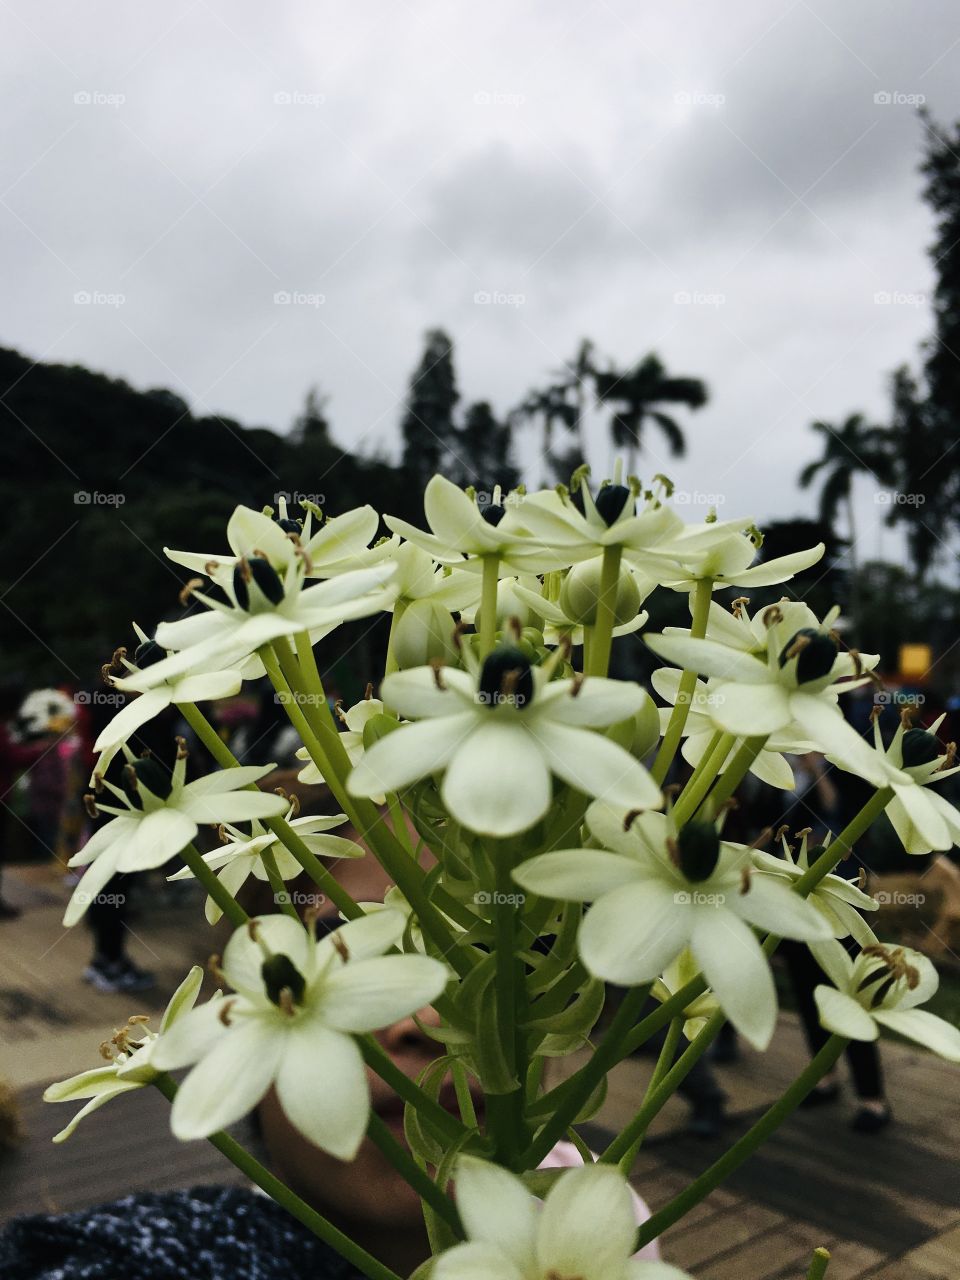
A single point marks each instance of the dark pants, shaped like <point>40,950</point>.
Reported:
<point>862,1055</point>
<point>107,916</point>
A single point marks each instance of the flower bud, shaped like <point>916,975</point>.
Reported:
<point>646,729</point>
<point>580,594</point>
<point>509,605</point>
<point>424,632</point>
<point>698,850</point>
<point>506,679</point>
<point>262,576</point>
<point>814,651</point>
<point>611,501</point>
<point>919,747</point>
<point>280,974</point>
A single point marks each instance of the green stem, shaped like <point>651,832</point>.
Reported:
<point>663,1065</point>
<point>582,1085</point>
<point>446,1127</point>
<point>411,1172</point>
<point>818,1264</point>
<point>488,604</point>
<point>702,596</point>
<point>739,766</point>
<point>845,841</point>
<point>601,633</point>
<point>221,896</point>
<point>281,1193</point>
<point>281,895</point>
<point>745,1147</point>
<point>706,771</point>
<point>505,1111</point>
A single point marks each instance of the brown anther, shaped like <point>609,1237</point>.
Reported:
<point>729,806</point>
<point>673,849</point>
<point>907,714</point>
<point>804,831</point>
<point>222,834</point>
<point>182,751</point>
<point>224,1012</point>
<point>339,712</point>
<point>874,679</point>
<point>771,615</point>
<point>744,880</point>
<point>576,684</point>
<point>281,792</point>
<point>285,1001</point>
<point>368,691</point>
<point>862,879</point>
<point>300,551</point>
<point>294,805</point>
<point>107,1051</point>
<point>738,606</point>
<point>138,1019</point>
<point>631,818</point>
<point>253,930</point>
<point>458,634</point>
<point>211,567</point>
<point>213,967</point>
<point>797,647</point>
<point>876,711</point>
<point>516,626</point>
<point>90,804</point>
<point>98,782</point>
<point>857,662</point>
<point>564,647</point>
<point>912,976</point>
<point>340,947</point>
<point>187,590</point>
<point>781,831</point>
<point>950,756</point>
<point>672,790</point>
<point>437,665</point>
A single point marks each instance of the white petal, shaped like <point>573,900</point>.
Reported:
<point>632,934</point>
<point>834,961</point>
<point>229,1081</point>
<point>498,782</point>
<point>825,724</point>
<point>416,693</point>
<point>770,904</point>
<point>453,517</point>
<point>576,875</point>
<point>596,766</point>
<point>772,768</point>
<point>184,998</point>
<point>93,1105</point>
<point>344,535</point>
<point>496,1208</point>
<point>926,1028</point>
<point>606,823</point>
<point>117,829</point>
<point>131,717</point>
<point>88,1084</point>
<point>411,752</point>
<point>841,1014</point>
<point>91,883</point>
<point>366,995</point>
<point>189,1038</point>
<point>780,569</point>
<point>366,936</point>
<point>160,836</point>
<point>207,686</point>
<point>734,964</point>
<point>588,1225</point>
<point>476,1262</point>
<point>596,704</point>
<point>281,935</point>
<point>709,658</point>
<point>926,820</point>
<point>322,1087</point>
<point>249,530</point>
<point>750,709</point>
<point>235,806</point>
<point>222,780</point>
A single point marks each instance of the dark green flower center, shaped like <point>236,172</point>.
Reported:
<point>493,513</point>
<point>698,850</point>
<point>814,651</point>
<point>288,525</point>
<point>610,502</point>
<point>148,653</point>
<point>506,679</point>
<point>261,572</point>
<point>280,974</point>
<point>150,773</point>
<point>919,747</point>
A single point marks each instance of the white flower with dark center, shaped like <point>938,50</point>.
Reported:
<point>656,891</point>
<point>498,734</point>
<point>882,987</point>
<point>130,1054</point>
<point>160,812</point>
<point>577,601</point>
<point>299,1003</point>
<point>334,548</point>
<point>420,577</point>
<point>793,682</point>
<point>459,527</point>
<point>241,855</point>
<point>351,738</point>
<point>727,561</point>
<point>204,684</point>
<point>584,1230</point>
<point>839,901</point>
<point>912,765</point>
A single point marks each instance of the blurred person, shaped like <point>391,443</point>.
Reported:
<point>206,1233</point>
<point>15,756</point>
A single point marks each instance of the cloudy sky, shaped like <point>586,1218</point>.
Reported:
<point>733,185</point>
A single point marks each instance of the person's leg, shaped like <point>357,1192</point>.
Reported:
<point>805,974</point>
<point>111,969</point>
<point>7,910</point>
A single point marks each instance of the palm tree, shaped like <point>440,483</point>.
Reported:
<point>854,446</point>
<point>550,406</point>
<point>635,392</point>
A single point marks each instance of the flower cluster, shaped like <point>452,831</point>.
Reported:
<point>548,826</point>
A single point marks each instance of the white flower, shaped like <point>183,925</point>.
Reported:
<point>673,979</point>
<point>656,892</point>
<point>333,549</point>
<point>204,684</point>
<point>161,813</point>
<point>131,1050</point>
<point>420,577</point>
<point>299,1003</point>
<point>727,560</point>
<point>498,735</point>
<point>882,986</point>
<point>351,738</point>
<point>914,761</point>
<point>793,682</point>
<point>242,856</point>
<point>576,602</point>
<point>839,901</point>
<point>458,527</point>
<point>584,1230</point>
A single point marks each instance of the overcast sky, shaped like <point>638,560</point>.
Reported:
<point>587,165</point>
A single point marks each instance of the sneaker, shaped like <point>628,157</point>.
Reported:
<point>134,979</point>
<point>111,976</point>
<point>8,911</point>
<point>869,1120</point>
<point>707,1117</point>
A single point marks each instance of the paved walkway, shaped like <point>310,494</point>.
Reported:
<point>887,1206</point>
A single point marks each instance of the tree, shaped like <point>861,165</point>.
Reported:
<point>636,392</point>
<point>550,406</point>
<point>312,426</point>
<point>428,427</point>
<point>922,468</point>
<point>484,449</point>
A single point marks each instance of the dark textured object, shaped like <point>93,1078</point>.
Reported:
<point>205,1233</point>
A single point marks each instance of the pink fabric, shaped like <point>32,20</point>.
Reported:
<point>566,1156</point>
